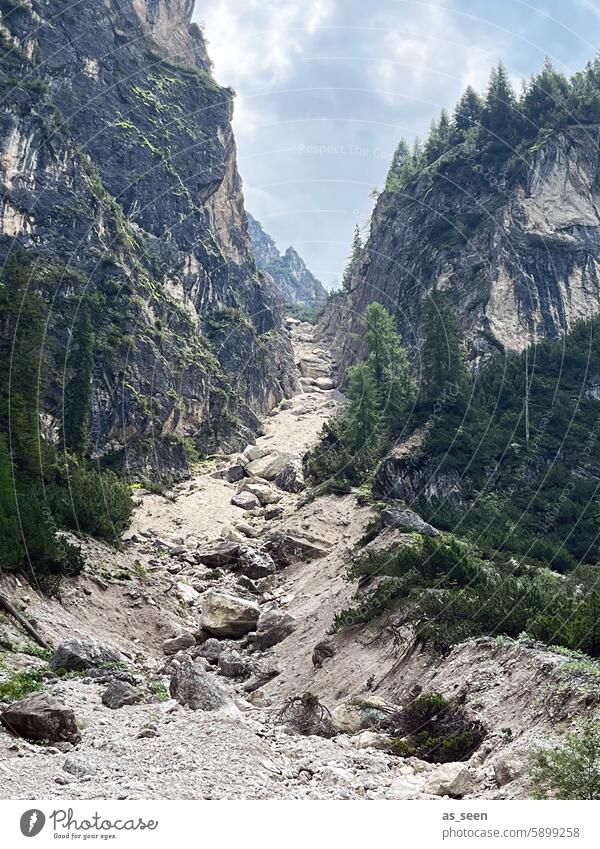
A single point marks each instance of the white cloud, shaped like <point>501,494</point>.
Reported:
<point>429,57</point>
<point>258,41</point>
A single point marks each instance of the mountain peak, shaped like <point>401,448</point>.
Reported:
<point>288,270</point>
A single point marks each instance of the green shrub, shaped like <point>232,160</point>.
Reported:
<point>98,503</point>
<point>571,771</point>
<point>21,684</point>
<point>435,729</point>
<point>446,591</point>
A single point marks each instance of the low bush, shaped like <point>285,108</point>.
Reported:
<point>435,729</point>
<point>21,684</point>
<point>447,592</point>
<point>571,771</point>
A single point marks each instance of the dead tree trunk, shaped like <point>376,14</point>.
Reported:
<point>6,605</point>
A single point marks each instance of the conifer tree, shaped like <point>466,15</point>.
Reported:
<point>80,364</point>
<point>361,434</point>
<point>545,99</point>
<point>467,114</point>
<point>389,364</point>
<point>500,116</point>
<point>394,177</point>
<point>11,546</point>
<point>22,362</point>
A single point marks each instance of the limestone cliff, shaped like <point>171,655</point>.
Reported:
<point>296,283</point>
<point>516,243</point>
<point>119,181</point>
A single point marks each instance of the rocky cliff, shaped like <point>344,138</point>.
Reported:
<point>516,243</point>
<point>296,283</point>
<point>119,181</point>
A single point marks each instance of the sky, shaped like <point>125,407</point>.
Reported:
<point>326,88</point>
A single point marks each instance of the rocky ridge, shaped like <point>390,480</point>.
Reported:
<point>515,245</point>
<point>119,182</point>
<point>296,283</point>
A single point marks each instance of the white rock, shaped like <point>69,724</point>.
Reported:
<point>228,616</point>
<point>452,779</point>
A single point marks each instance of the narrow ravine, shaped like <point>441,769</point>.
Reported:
<point>163,749</point>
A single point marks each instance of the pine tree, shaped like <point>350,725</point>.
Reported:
<point>444,374</point>
<point>353,259</point>
<point>389,364</point>
<point>500,116</point>
<point>80,364</point>
<point>361,432</point>
<point>439,138</point>
<point>544,103</point>
<point>394,177</point>
<point>467,114</point>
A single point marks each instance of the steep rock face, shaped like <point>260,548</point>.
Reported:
<point>293,279</point>
<point>517,246</point>
<point>119,180</point>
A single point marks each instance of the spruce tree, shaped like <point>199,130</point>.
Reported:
<point>545,100</point>
<point>389,364</point>
<point>500,116</point>
<point>80,364</point>
<point>394,180</point>
<point>361,432</point>
<point>467,114</point>
<point>438,140</point>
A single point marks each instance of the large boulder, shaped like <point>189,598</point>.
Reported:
<point>218,554</point>
<point>325,383</point>
<point>408,520</point>
<point>41,717</point>
<point>212,649</point>
<point>255,564</point>
<point>291,477</point>
<point>191,685</point>
<point>262,491</point>
<point>451,779</point>
<point>262,673</point>
<point>225,615</point>
<point>273,626</point>
<point>291,547</point>
<point>120,693</point>
<point>255,452</point>
<point>511,766</point>
<point>245,500</point>
<point>361,712</point>
<point>323,651</point>
<point>232,474</point>
<point>268,467</point>
<point>77,655</point>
